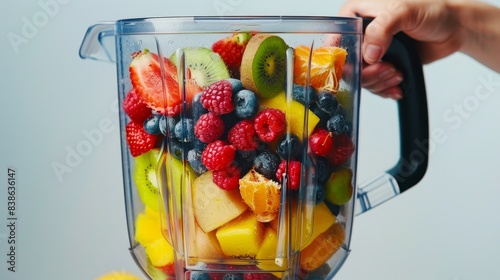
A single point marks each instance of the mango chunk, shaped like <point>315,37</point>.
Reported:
<point>241,237</point>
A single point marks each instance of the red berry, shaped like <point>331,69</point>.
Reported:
<point>169,269</point>
<point>139,141</point>
<point>294,170</point>
<point>270,124</point>
<point>218,155</point>
<point>231,51</point>
<point>259,276</point>
<point>343,147</point>
<point>227,179</point>
<point>135,108</point>
<point>321,142</point>
<point>218,97</point>
<point>242,136</point>
<point>209,127</point>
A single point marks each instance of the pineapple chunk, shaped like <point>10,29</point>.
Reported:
<point>241,237</point>
<point>160,253</point>
<point>267,253</point>
<point>294,112</point>
<point>214,206</point>
<point>147,227</point>
<point>207,245</point>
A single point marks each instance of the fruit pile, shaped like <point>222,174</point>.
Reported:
<point>226,117</point>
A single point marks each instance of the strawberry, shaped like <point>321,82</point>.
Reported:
<point>231,51</point>
<point>342,149</point>
<point>135,108</point>
<point>159,92</point>
<point>139,141</point>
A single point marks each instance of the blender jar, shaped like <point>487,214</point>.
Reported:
<point>239,141</point>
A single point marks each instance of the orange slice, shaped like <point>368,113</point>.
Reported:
<point>322,248</point>
<point>326,67</point>
<point>262,195</point>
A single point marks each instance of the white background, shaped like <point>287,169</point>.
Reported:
<point>73,227</point>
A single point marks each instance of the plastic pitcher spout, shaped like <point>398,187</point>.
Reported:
<point>99,43</point>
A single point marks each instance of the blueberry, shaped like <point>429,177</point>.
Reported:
<point>341,110</point>
<point>167,126</point>
<point>194,159</point>
<point>245,103</point>
<point>320,194</point>
<point>236,85</point>
<point>229,121</point>
<point>303,94</point>
<point>197,144</point>
<point>197,108</point>
<point>327,103</point>
<point>323,170</point>
<point>266,163</point>
<point>244,161</point>
<point>184,130</point>
<point>196,275</point>
<point>336,124</point>
<point>232,276</point>
<point>152,125</point>
<point>291,147</point>
<point>178,149</point>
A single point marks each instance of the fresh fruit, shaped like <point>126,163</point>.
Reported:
<point>345,99</point>
<point>232,276</point>
<point>336,124</point>
<point>246,104</point>
<point>263,65</point>
<point>194,159</point>
<point>322,170</point>
<point>218,155</point>
<point>231,51</point>
<point>322,248</point>
<point>261,194</point>
<point>218,98</point>
<point>266,163</point>
<point>290,147</point>
<point>267,255</point>
<point>145,178</point>
<point>204,66</point>
<point>147,227</point>
<point>198,275</point>
<point>152,125</point>
<point>119,275</point>
<point>209,127</point>
<point>321,221</point>
<point>243,136</point>
<point>197,108</point>
<point>167,126</point>
<point>343,147</point>
<point>339,187</point>
<point>320,194</point>
<point>270,124</point>
<point>325,105</point>
<point>241,237</point>
<point>213,206</point>
<point>135,108</point>
<point>295,114</point>
<point>184,130</point>
<point>227,179</point>
<point>138,140</point>
<point>259,276</point>
<point>303,94</point>
<point>326,65</point>
<point>207,245</point>
<point>160,252</point>
<point>321,142</point>
<point>293,173</point>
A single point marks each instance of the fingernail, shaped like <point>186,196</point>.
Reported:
<point>372,53</point>
<point>387,73</point>
<point>394,81</point>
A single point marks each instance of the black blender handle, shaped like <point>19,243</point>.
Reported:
<point>413,112</point>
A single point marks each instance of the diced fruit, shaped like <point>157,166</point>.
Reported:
<point>218,155</point>
<point>145,178</point>
<point>293,172</point>
<point>160,252</point>
<point>138,140</point>
<point>263,65</point>
<point>218,98</point>
<point>227,179</point>
<point>290,147</point>
<point>266,163</point>
<point>321,142</point>
<point>231,51</point>
<point>303,94</point>
<point>262,195</point>
<point>322,248</point>
<point>135,108</point>
<point>336,124</point>
<point>147,227</point>
<point>118,275</point>
<point>343,147</point>
<point>322,220</point>
<point>207,245</point>
<point>267,253</point>
<point>326,66</point>
<point>214,206</point>
<point>241,237</point>
<point>270,124</point>
<point>295,114</point>
<point>339,187</point>
<point>198,275</point>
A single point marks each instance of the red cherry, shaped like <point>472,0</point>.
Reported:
<point>321,142</point>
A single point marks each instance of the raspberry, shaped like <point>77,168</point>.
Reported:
<point>227,179</point>
<point>242,136</point>
<point>343,147</point>
<point>218,155</point>
<point>270,124</point>
<point>259,276</point>
<point>218,97</point>
<point>135,108</point>
<point>294,169</point>
<point>209,128</point>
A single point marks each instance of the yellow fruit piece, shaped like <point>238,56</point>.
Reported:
<point>322,248</point>
<point>261,194</point>
<point>160,253</point>
<point>214,206</point>
<point>294,113</point>
<point>147,227</point>
<point>207,245</point>
<point>119,275</point>
<point>266,256</point>
<point>241,237</point>
<point>326,67</point>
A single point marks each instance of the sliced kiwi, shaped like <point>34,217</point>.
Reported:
<point>145,178</point>
<point>263,65</point>
<point>204,65</point>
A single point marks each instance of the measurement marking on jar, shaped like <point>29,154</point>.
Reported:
<point>11,219</point>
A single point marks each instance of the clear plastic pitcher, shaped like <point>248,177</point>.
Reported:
<point>239,141</point>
